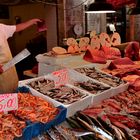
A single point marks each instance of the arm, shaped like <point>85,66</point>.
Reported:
<point>24,25</point>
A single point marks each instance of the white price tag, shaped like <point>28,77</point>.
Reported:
<point>61,77</point>
<point>8,102</point>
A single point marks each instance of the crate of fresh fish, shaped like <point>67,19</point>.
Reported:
<point>96,74</point>
<point>86,83</point>
<point>66,95</point>
<point>39,83</point>
<point>95,88</point>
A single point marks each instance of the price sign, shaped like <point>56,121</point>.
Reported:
<point>60,77</point>
<point>8,102</point>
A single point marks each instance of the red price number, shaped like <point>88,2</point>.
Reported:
<point>8,102</point>
<point>61,77</point>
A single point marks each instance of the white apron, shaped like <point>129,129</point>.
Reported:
<point>8,79</point>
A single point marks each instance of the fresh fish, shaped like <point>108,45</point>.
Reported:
<point>98,124</point>
<point>93,121</point>
<point>55,135</point>
<point>66,132</point>
<point>96,130</point>
<point>73,123</point>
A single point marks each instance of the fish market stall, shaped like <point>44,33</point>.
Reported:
<point>76,98</point>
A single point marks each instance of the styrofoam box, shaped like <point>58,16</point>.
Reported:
<point>60,59</point>
<point>49,64</point>
<point>27,81</point>
<point>121,88</point>
<point>71,108</point>
<point>73,76</point>
<point>44,69</point>
<point>99,96</point>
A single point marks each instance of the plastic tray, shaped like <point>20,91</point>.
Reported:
<point>37,128</point>
<point>97,97</point>
<point>71,108</point>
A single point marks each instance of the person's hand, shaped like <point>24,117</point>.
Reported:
<point>1,70</point>
<point>24,25</point>
<point>36,21</point>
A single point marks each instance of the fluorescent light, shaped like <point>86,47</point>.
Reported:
<point>99,12</point>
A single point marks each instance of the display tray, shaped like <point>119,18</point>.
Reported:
<point>73,107</point>
<point>98,75</point>
<point>118,88</point>
<point>35,129</point>
<point>98,95</point>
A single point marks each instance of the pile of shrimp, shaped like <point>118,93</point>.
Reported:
<point>35,109</point>
<point>31,108</point>
<point>10,127</point>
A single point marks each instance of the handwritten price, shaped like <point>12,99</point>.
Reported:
<point>61,77</point>
<point>8,102</point>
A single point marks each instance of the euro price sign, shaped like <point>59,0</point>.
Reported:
<point>8,102</point>
<point>61,77</point>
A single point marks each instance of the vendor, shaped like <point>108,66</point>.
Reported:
<point>9,78</point>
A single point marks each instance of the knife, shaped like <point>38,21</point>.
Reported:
<point>20,56</point>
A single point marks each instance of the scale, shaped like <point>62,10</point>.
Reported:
<point>20,56</point>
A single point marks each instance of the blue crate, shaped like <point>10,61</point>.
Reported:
<point>22,89</point>
<point>35,129</point>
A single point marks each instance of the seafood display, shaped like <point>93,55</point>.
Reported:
<point>55,135</point>
<point>116,118</point>
<point>120,114</point>
<point>58,133</point>
<point>87,128</point>
<point>64,94</point>
<point>10,127</point>
<point>30,108</point>
<point>91,86</point>
<point>100,76</point>
<point>35,109</point>
<point>42,85</point>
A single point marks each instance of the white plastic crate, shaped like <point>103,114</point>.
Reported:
<point>71,108</point>
<point>45,69</point>
<point>48,64</point>
<point>115,90</point>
